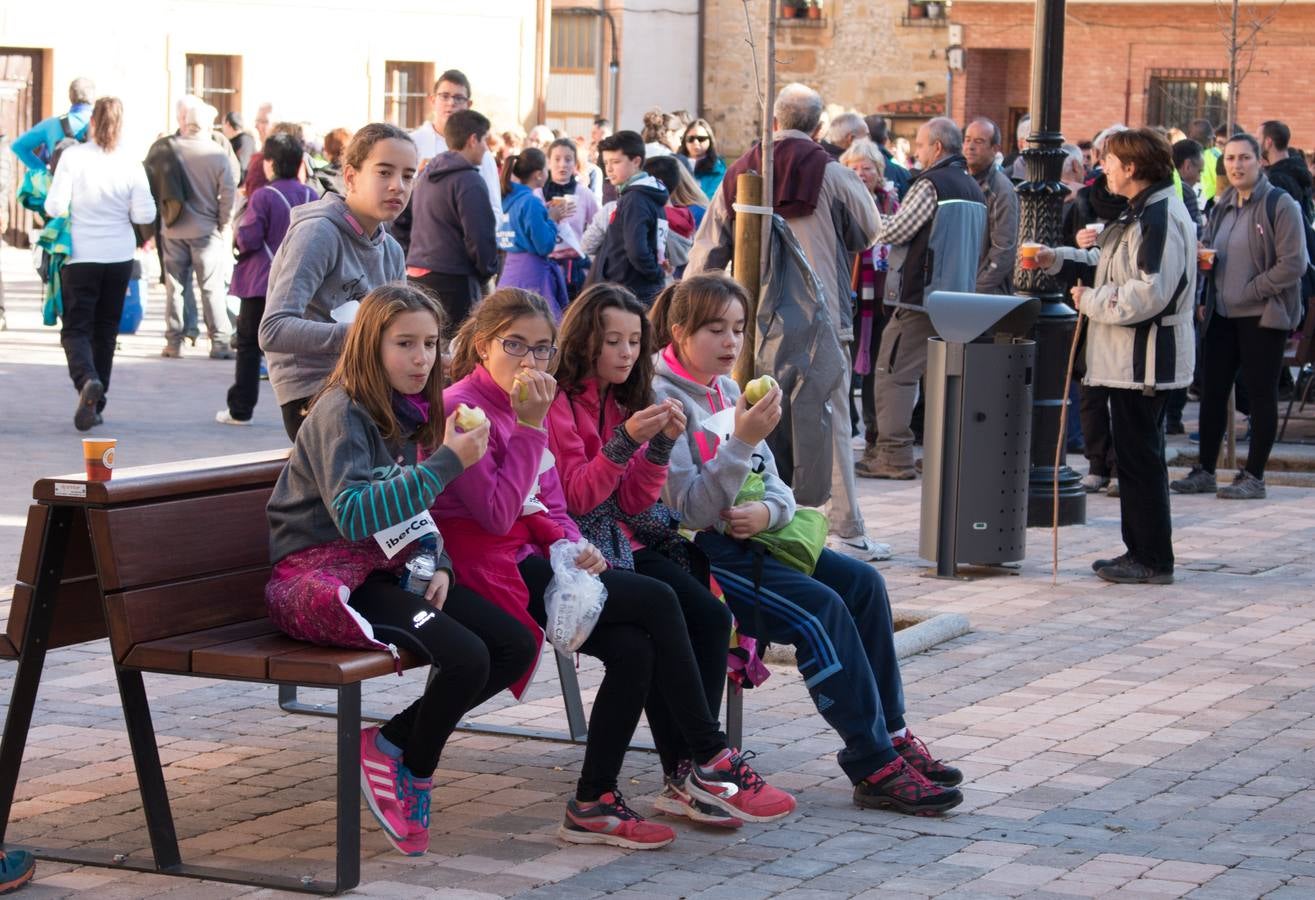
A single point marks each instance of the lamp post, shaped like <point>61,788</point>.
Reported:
<point>1041,209</point>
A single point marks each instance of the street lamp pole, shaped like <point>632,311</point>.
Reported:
<point>1041,210</point>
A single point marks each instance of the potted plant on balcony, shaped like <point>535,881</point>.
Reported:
<point>790,8</point>
<point>917,9</point>
<point>935,9</point>
<point>814,9</point>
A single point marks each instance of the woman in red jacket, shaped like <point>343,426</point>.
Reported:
<point>611,442</point>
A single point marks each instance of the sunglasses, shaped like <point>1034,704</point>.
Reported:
<point>701,138</point>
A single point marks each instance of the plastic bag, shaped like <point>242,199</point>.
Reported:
<point>574,599</point>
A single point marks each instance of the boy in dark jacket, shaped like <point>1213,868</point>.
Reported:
<point>631,254</point>
<point>454,245</point>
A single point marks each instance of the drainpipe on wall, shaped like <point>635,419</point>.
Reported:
<point>698,66</point>
<point>543,25</point>
<point>949,93</point>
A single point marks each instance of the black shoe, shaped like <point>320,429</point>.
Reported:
<point>901,787</point>
<point>1130,572</point>
<point>1174,428</point>
<point>1106,563</point>
<point>88,399</point>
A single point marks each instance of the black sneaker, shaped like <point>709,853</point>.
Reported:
<point>917,755</point>
<point>900,787</point>
<point>88,399</point>
<point>1130,572</point>
<point>1105,563</point>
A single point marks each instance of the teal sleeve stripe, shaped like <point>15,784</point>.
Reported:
<point>391,502</point>
<point>374,514</point>
<point>438,485</point>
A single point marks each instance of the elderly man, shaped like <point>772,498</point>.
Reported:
<point>936,241</point>
<point>995,268</point>
<point>832,215</point>
<point>194,180</point>
<point>845,129</point>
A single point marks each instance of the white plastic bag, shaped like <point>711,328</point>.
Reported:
<point>574,599</point>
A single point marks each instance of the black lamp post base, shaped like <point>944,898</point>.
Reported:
<point>1041,497</point>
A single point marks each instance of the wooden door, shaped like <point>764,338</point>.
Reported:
<point>20,109</point>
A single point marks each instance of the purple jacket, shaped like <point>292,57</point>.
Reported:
<point>268,212</point>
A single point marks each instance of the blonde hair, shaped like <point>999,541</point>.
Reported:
<point>360,370</point>
<point>493,314</point>
<point>107,122</point>
<point>865,149</point>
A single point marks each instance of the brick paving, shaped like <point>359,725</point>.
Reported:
<point>1117,740</point>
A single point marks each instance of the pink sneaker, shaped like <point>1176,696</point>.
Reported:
<point>415,800</point>
<point>610,821</point>
<point>379,784</point>
<point>730,783</point>
<point>675,800</point>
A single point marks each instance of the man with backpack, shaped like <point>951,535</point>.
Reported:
<point>38,148</point>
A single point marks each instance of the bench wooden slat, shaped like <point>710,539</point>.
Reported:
<point>78,562</point>
<point>333,666</point>
<point>7,648</point>
<point>158,542</point>
<point>151,614</point>
<point>248,658</point>
<point>167,480</point>
<point>81,614</point>
<point>174,654</point>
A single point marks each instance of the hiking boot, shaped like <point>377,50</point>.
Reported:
<point>88,399</point>
<point>16,869</point>
<point>1132,572</point>
<point>675,800</point>
<point>1197,481</point>
<point>916,754</point>
<point>172,350</point>
<point>899,786</point>
<point>1113,489</point>
<point>730,783</point>
<point>1245,486</point>
<point>380,784</point>
<point>224,417</point>
<point>1093,483</point>
<point>221,349</point>
<point>415,803</point>
<point>609,821</point>
<point>860,547</point>
<point>874,469</point>
<point>1106,563</point>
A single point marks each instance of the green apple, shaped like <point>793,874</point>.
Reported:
<point>470,417</point>
<point>758,388</point>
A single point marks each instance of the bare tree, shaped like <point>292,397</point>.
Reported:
<point>1241,31</point>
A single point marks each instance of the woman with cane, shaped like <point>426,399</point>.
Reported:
<point>1139,338</point>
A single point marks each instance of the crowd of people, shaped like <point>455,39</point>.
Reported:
<point>574,291</point>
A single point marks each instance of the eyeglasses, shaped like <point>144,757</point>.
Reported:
<point>452,98</point>
<point>513,347</point>
<point>701,138</point>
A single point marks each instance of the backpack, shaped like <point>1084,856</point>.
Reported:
<point>1307,277</point>
<point>70,139</point>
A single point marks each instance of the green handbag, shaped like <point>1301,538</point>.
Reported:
<point>799,542</point>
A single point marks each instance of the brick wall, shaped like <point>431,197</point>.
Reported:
<point>1109,50</point>
<point>859,56</point>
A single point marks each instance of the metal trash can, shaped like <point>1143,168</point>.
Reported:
<point>978,432</point>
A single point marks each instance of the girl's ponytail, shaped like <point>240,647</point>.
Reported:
<point>522,165</point>
<point>660,315</point>
<point>504,177</point>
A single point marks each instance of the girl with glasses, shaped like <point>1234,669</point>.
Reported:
<point>699,148</point>
<point>498,521</point>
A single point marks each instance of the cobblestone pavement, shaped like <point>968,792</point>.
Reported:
<point>1117,740</point>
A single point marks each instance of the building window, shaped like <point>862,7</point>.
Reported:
<point>406,89</point>
<point>217,80</point>
<point>1177,96</point>
<point>574,43</point>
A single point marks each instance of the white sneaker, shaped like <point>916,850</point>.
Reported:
<point>1093,483</point>
<point>224,417</point>
<point>860,547</point>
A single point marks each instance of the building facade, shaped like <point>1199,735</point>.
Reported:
<point>1140,63</point>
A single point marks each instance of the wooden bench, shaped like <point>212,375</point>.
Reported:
<point>169,563</point>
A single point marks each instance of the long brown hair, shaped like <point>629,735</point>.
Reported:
<point>692,303</point>
<point>581,342</point>
<point>107,122</point>
<point>494,313</point>
<point>360,370</point>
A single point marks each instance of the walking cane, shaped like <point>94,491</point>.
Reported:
<point>1062,444</point>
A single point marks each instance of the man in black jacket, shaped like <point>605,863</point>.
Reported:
<point>454,245</point>
<point>633,248</point>
<point>1286,171</point>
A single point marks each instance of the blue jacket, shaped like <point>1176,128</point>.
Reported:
<point>33,146</point>
<point>528,228</point>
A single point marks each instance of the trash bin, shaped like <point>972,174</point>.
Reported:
<point>978,432</point>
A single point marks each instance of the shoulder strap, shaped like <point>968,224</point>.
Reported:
<point>277,193</point>
<point>1271,206</point>
<point>67,126</point>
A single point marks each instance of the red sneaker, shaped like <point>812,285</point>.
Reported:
<point>916,754</point>
<point>675,800</point>
<point>899,786</point>
<point>609,821</point>
<point>730,783</point>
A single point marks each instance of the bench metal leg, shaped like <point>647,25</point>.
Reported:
<point>349,785</point>
<point>734,714</point>
<point>150,775</point>
<point>32,656</point>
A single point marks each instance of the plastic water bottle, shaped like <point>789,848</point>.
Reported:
<point>422,565</point>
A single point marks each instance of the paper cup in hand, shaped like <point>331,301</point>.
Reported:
<point>1027,254</point>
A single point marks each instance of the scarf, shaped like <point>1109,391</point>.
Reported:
<point>552,189</point>
<point>799,166</point>
<point>411,410</point>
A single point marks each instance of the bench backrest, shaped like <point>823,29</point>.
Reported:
<point>156,552</point>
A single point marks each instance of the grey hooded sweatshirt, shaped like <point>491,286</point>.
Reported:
<point>326,259</point>
<point>700,490</point>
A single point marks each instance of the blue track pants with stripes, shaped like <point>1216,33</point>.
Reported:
<point>839,621</point>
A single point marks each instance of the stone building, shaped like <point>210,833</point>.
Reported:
<point>1138,62</point>
<point>859,54</point>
